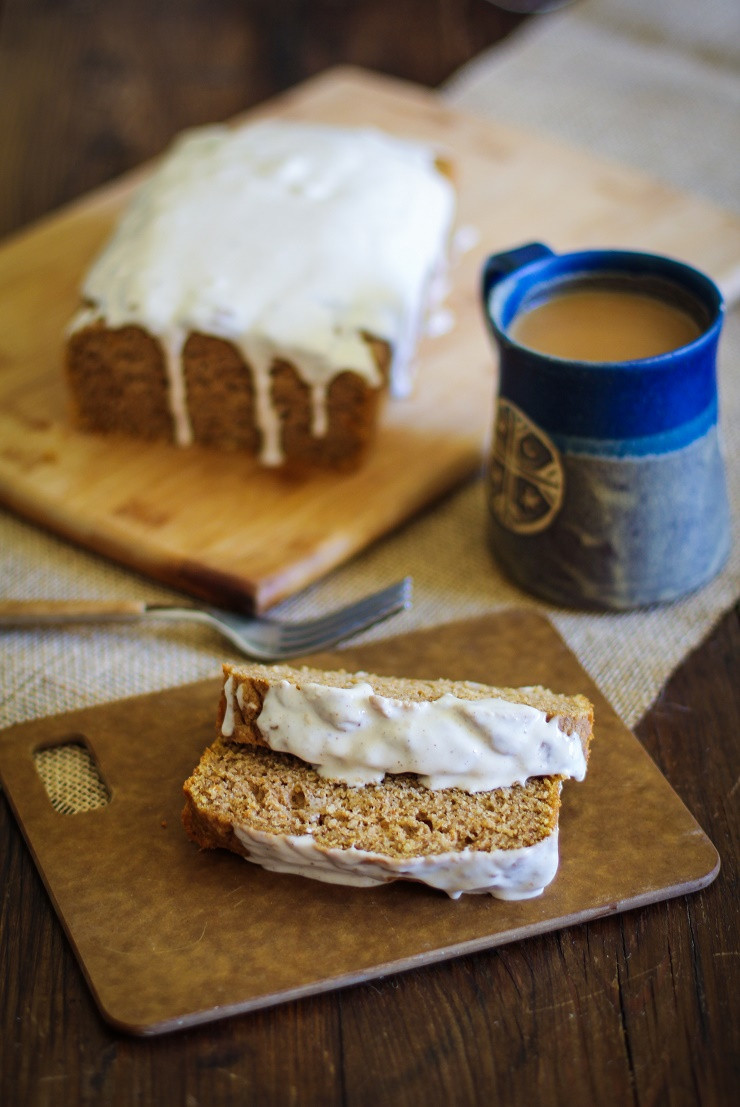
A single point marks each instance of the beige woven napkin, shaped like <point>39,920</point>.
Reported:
<point>599,75</point>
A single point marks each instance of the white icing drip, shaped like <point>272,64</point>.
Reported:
<point>227,726</point>
<point>465,239</point>
<point>354,735</point>
<point>83,318</point>
<point>439,323</point>
<point>510,874</point>
<point>267,235</point>
<point>319,412</point>
<point>259,357</point>
<point>172,346</point>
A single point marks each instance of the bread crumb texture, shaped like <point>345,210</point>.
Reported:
<point>249,786</point>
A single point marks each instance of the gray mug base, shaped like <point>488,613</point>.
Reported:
<point>630,532</point>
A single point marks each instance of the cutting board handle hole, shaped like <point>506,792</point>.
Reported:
<point>71,776</point>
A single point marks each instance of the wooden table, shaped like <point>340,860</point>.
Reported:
<point>637,1008</point>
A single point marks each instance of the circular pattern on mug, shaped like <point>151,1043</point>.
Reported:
<point>525,475</point>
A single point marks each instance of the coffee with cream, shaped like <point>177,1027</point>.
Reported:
<point>605,486</point>
<point>603,323</point>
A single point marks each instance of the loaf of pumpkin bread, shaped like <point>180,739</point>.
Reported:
<point>264,291</point>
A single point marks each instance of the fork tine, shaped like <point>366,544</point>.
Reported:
<point>338,625</point>
<point>392,598</point>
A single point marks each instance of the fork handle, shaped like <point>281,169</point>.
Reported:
<point>29,612</point>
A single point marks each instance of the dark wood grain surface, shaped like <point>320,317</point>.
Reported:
<point>639,1008</point>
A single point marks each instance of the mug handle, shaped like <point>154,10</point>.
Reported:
<point>500,265</point>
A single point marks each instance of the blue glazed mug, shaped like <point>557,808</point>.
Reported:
<point>605,486</point>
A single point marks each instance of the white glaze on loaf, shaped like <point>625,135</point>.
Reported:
<point>290,240</point>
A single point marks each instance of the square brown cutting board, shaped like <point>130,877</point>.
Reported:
<point>221,528</point>
<point>169,936</point>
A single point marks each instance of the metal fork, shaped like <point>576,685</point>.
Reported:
<point>262,638</point>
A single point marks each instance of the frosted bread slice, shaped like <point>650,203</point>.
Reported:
<point>276,811</point>
<point>360,779</point>
<point>357,727</point>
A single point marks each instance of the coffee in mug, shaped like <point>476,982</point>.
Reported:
<point>602,320</point>
<point>605,483</point>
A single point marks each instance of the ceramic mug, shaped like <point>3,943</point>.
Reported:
<point>606,485</point>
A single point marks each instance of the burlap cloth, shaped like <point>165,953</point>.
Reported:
<point>657,89</point>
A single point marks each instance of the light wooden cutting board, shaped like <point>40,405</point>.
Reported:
<point>218,527</point>
<point>169,936</point>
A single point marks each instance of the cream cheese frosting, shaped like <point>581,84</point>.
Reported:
<point>508,874</point>
<point>354,735</point>
<point>289,239</point>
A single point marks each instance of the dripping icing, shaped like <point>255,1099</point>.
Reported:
<point>265,236</point>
